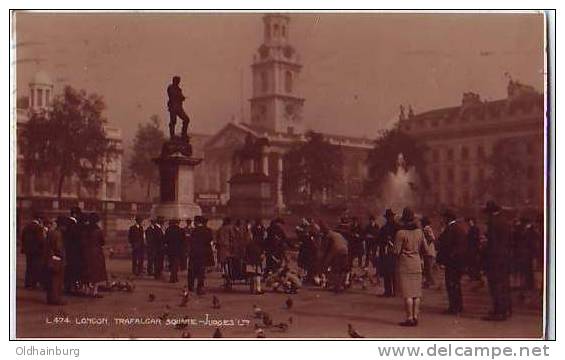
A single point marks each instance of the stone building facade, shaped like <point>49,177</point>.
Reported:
<point>462,141</point>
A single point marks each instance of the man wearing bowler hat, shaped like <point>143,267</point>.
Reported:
<point>498,262</point>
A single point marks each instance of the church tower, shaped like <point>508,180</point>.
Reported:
<point>276,105</point>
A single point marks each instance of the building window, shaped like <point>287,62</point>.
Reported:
<point>464,153</point>
<point>47,97</point>
<point>435,155</point>
<point>276,30</point>
<point>264,81</point>
<point>31,99</point>
<point>288,81</point>
<point>449,154</point>
<point>284,31</point>
<point>465,176</point>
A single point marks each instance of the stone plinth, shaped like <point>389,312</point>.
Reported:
<point>176,173</point>
<point>251,196</point>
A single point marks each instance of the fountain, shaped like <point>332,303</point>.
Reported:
<point>398,188</point>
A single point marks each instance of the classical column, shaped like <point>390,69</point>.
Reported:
<point>280,201</point>
<point>265,167</point>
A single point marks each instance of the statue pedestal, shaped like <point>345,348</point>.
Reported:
<point>176,172</point>
<point>251,196</point>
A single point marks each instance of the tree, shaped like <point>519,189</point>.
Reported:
<point>68,139</point>
<point>507,172</point>
<point>383,157</point>
<point>147,144</point>
<point>312,168</point>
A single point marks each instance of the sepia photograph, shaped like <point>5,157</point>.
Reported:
<point>279,175</point>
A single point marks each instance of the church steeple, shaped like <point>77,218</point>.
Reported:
<point>276,105</point>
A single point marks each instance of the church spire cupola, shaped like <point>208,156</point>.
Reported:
<point>40,92</point>
<point>276,105</point>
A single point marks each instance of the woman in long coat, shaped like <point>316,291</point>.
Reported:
<point>409,247</point>
<point>93,255</point>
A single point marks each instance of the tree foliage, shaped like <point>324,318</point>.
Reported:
<point>68,140</point>
<point>507,173</point>
<point>312,168</point>
<point>147,144</point>
<point>383,157</point>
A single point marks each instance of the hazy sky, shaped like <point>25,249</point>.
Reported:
<point>357,69</point>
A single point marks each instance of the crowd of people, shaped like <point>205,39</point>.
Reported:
<point>406,254</point>
<point>65,256</point>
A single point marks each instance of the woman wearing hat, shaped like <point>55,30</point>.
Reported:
<point>409,247</point>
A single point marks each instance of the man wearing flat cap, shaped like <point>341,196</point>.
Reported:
<point>452,255</point>
<point>498,262</point>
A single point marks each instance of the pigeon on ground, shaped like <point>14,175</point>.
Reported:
<point>151,297</point>
<point>186,335</point>
<point>259,333</point>
<point>353,333</point>
<point>217,333</point>
<point>215,302</point>
<point>289,303</point>
<point>257,312</point>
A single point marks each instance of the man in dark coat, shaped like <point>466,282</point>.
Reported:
<point>187,234</point>
<point>498,262</point>
<point>174,237</point>
<point>155,247</point>
<point>473,250</point>
<point>356,245</point>
<point>275,246</point>
<point>387,258</point>
<point>199,254</point>
<point>55,262</point>
<point>452,255</point>
<point>33,246</point>
<point>371,233</point>
<point>72,239</point>
<point>136,238</point>
<point>176,98</point>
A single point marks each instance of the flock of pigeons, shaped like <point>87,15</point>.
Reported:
<point>264,320</point>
